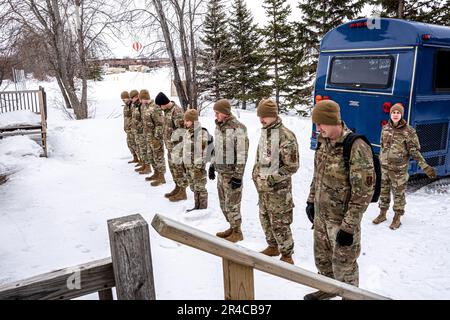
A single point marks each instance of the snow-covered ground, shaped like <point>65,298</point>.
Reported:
<point>53,211</point>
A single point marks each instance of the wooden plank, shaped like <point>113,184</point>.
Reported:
<point>8,92</point>
<point>129,239</point>
<point>198,239</point>
<point>238,281</point>
<point>63,284</point>
<point>105,295</point>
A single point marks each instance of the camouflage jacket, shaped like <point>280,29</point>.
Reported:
<point>231,147</point>
<point>173,120</point>
<point>153,120</point>
<point>195,144</point>
<point>276,163</point>
<point>127,113</point>
<point>398,145</point>
<point>341,196</point>
<point>136,118</point>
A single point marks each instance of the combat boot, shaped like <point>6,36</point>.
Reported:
<point>381,217</point>
<point>135,159</point>
<point>179,195</point>
<point>140,167</point>
<point>236,235</point>
<point>319,295</point>
<point>202,200</point>
<point>173,192</point>
<point>396,222</point>
<point>146,169</point>
<point>160,179</point>
<point>287,258</point>
<point>151,178</point>
<point>196,203</point>
<point>224,234</point>
<point>271,251</point>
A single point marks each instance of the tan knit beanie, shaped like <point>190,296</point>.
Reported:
<point>223,106</point>
<point>134,93</point>
<point>267,108</point>
<point>144,95</point>
<point>191,115</point>
<point>399,108</point>
<point>326,112</point>
<point>124,95</point>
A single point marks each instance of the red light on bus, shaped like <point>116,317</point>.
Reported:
<point>387,107</point>
<point>384,122</point>
<point>426,37</point>
<point>326,98</point>
<point>352,25</point>
<point>360,24</point>
<point>319,98</point>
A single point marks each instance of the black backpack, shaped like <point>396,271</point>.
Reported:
<point>347,145</point>
<point>210,148</point>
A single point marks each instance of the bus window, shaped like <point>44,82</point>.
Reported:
<point>442,71</point>
<point>371,72</point>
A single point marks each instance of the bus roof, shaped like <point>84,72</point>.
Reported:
<point>386,33</point>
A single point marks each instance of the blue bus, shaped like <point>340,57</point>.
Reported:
<point>369,65</point>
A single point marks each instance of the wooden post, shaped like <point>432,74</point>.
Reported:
<point>105,295</point>
<point>131,256</point>
<point>238,281</point>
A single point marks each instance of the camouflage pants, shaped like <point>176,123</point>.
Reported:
<point>178,171</point>
<point>197,179</point>
<point>131,142</point>
<point>395,181</point>
<point>141,144</point>
<point>155,154</point>
<point>333,260</point>
<point>275,215</point>
<point>230,200</point>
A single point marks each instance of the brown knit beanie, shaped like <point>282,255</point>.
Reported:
<point>144,95</point>
<point>399,108</point>
<point>267,108</point>
<point>134,93</point>
<point>223,106</point>
<point>326,112</point>
<point>124,95</point>
<point>191,115</point>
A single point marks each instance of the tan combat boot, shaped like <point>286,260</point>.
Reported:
<point>224,234</point>
<point>179,196</point>
<point>160,179</point>
<point>287,258</point>
<point>381,217</point>
<point>236,235</point>
<point>396,222</point>
<point>152,177</point>
<point>319,295</point>
<point>135,159</point>
<point>146,170</point>
<point>271,251</point>
<point>140,166</point>
<point>173,192</point>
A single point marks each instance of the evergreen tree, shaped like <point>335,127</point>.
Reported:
<point>247,73</point>
<point>278,46</point>
<point>214,57</point>
<point>428,11</point>
<point>318,17</point>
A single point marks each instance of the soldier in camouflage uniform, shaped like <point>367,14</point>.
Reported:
<point>127,112</point>
<point>138,131</point>
<point>195,145</point>
<point>173,121</point>
<point>153,121</point>
<point>399,142</point>
<point>277,160</point>
<point>231,150</point>
<point>338,198</point>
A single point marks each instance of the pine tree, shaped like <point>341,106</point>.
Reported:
<point>428,11</point>
<point>318,17</point>
<point>247,72</point>
<point>278,45</point>
<point>214,57</point>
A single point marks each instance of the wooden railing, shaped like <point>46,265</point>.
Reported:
<point>239,263</point>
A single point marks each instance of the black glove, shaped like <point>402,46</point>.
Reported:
<point>212,172</point>
<point>310,211</point>
<point>235,183</point>
<point>344,239</point>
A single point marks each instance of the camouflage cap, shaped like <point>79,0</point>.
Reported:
<point>125,95</point>
<point>223,106</point>
<point>191,115</point>
<point>326,112</point>
<point>144,95</point>
<point>267,108</point>
<point>399,107</point>
<point>134,93</point>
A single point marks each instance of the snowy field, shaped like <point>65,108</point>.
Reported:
<point>53,211</point>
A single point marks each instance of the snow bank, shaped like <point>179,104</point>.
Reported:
<point>19,118</point>
<point>15,153</point>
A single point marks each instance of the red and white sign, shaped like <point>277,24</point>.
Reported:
<point>137,46</point>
